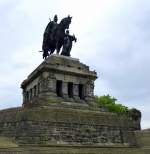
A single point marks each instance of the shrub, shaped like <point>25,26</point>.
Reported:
<point>111,104</point>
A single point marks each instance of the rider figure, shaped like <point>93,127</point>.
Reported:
<point>47,33</point>
<point>51,25</point>
<point>68,43</point>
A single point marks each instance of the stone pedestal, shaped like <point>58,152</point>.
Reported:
<point>59,78</point>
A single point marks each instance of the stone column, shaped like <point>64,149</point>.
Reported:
<point>48,87</point>
<point>47,90</point>
<point>65,89</point>
<point>89,91</point>
<point>76,91</point>
<point>44,86</point>
<point>24,96</point>
<point>44,82</point>
<point>38,88</point>
<point>52,85</point>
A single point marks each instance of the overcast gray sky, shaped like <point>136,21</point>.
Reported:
<point>113,39</point>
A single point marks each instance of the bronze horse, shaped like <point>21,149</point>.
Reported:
<point>56,38</point>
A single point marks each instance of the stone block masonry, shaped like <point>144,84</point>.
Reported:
<point>59,78</point>
<point>66,126</point>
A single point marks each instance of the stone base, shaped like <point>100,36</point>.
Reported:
<point>45,149</point>
<point>67,124</point>
<point>68,128</point>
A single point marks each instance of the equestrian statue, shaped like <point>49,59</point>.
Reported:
<point>56,36</point>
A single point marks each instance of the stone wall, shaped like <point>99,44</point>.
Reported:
<point>9,146</point>
<point>143,139</point>
<point>30,149</point>
<point>60,126</point>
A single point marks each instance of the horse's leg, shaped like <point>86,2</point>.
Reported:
<point>52,51</point>
<point>58,47</point>
<point>45,54</point>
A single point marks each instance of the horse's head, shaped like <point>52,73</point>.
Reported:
<point>66,22</point>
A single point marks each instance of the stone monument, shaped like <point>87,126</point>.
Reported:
<point>59,114</point>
